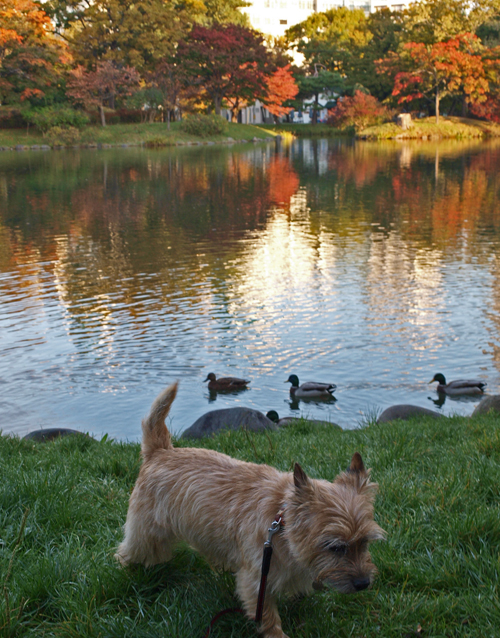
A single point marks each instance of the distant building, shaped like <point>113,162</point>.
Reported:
<point>274,17</point>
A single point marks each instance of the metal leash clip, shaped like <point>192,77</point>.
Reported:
<point>275,527</point>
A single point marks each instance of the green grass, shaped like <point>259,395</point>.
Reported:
<point>426,128</point>
<point>158,134</point>
<point>62,505</point>
<point>149,134</point>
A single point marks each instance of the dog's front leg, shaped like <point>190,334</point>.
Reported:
<point>247,586</point>
<point>271,621</point>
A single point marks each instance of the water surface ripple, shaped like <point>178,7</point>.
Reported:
<point>371,266</point>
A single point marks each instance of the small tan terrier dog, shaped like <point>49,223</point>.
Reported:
<point>223,508</point>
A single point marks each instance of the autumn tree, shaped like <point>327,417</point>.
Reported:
<point>281,87</point>
<point>102,86</point>
<point>32,59</point>
<point>136,34</point>
<point>359,111</point>
<point>226,62</point>
<point>489,109</point>
<point>170,79</point>
<point>434,71</point>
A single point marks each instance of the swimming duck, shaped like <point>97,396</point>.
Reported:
<point>225,383</point>
<point>272,415</point>
<point>310,389</point>
<point>460,386</point>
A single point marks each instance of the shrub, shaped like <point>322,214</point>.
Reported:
<point>52,116</point>
<point>204,125</point>
<point>63,135</point>
<point>489,110</point>
<point>11,118</point>
<point>358,111</point>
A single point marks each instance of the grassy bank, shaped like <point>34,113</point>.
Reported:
<point>305,130</point>
<point>62,505</point>
<point>147,134</point>
<point>157,134</point>
<point>426,128</point>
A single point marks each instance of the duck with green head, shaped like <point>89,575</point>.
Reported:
<point>460,386</point>
<point>310,389</point>
<point>290,420</point>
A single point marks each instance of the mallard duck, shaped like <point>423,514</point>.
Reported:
<point>460,386</point>
<point>225,383</point>
<point>310,389</point>
<point>272,415</point>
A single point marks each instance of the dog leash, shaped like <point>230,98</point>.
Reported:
<point>276,525</point>
<point>266,564</point>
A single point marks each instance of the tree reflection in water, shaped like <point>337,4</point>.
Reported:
<point>363,263</point>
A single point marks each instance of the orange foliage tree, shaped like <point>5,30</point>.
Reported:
<point>32,58</point>
<point>281,86</point>
<point>102,86</point>
<point>490,108</point>
<point>435,71</point>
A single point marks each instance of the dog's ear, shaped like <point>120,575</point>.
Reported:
<point>300,477</point>
<point>357,466</point>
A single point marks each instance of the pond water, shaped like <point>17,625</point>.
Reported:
<point>372,266</point>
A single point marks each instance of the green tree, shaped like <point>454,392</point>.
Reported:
<point>222,12</point>
<point>329,38</point>
<point>321,82</point>
<point>439,20</point>
<point>137,34</point>
<point>348,42</point>
<point>386,28</point>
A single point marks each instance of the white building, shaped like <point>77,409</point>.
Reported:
<point>274,17</point>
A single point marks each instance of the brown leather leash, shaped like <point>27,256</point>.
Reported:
<point>276,525</point>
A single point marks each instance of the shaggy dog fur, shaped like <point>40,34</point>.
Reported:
<point>223,508</point>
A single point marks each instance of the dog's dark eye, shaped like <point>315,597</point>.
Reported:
<point>338,548</point>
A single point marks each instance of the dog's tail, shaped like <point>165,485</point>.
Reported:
<point>155,435</point>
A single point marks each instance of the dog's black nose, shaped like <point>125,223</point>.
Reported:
<point>361,583</point>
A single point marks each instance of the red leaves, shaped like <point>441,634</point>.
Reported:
<point>226,62</point>
<point>443,68</point>
<point>93,88</point>
<point>361,110</point>
<point>281,86</point>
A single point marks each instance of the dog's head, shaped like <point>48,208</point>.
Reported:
<point>330,526</point>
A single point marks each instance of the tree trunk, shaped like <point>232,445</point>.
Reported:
<point>168,119</point>
<point>314,120</point>
<point>103,116</point>
<point>437,106</point>
<point>464,106</point>
<point>217,104</point>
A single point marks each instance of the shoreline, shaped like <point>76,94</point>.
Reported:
<point>159,135</point>
<point>131,135</point>
<point>458,128</point>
